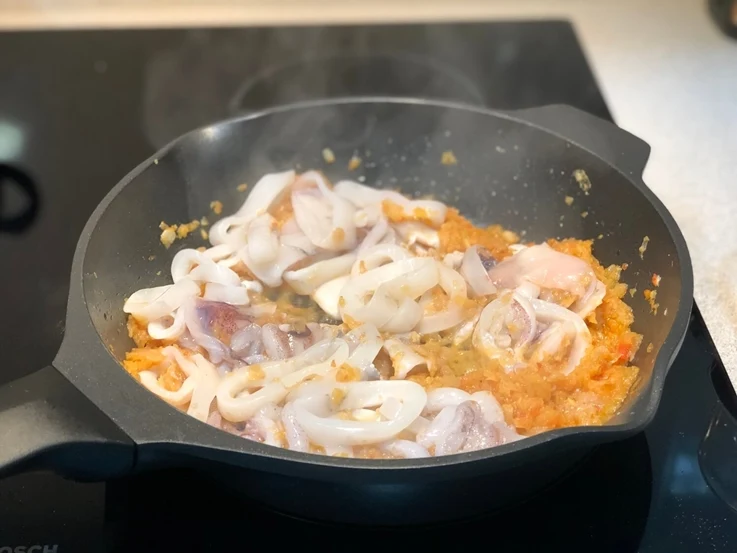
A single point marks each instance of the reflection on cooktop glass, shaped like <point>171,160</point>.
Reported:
<point>120,95</point>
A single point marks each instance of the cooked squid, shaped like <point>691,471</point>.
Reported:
<point>337,320</point>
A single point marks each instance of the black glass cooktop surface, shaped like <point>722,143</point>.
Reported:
<point>80,109</point>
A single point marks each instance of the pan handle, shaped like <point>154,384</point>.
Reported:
<point>619,148</point>
<point>48,424</point>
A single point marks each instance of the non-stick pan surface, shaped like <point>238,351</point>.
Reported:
<point>85,417</point>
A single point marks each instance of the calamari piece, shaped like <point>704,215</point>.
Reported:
<point>283,342</point>
<point>266,192</point>
<point>314,412</point>
<point>414,232</point>
<point>301,340</point>
<point>368,216</point>
<point>235,400</point>
<point>364,342</point>
<point>404,358</point>
<point>212,324</point>
<point>465,331</point>
<point>453,260</point>
<point>292,236</point>
<point>406,316</point>
<point>193,265</point>
<point>440,398</point>
<point>297,439</point>
<point>506,325</point>
<point>198,389</point>
<point>405,449</point>
<point>454,286</point>
<point>253,286</point>
<point>271,273</point>
<point>590,302</point>
<point>263,241</point>
<point>376,256</point>
<point>569,325</point>
<point>551,269</point>
<point>324,217</point>
<point>427,210</point>
<point>474,268</point>
<point>177,398</point>
<point>306,280</point>
<point>490,407</point>
<point>229,231</point>
<point>247,342</point>
<point>359,195</point>
<point>327,296</point>
<point>224,254</point>
<point>168,327</point>
<point>276,342</point>
<point>338,356</point>
<point>392,289</point>
<point>207,383</point>
<point>459,428</point>
<point>271,411</point>
<point>262,429</point>
<point>362,196</point>
<point>528,290</point>
<point>390,237</point>
<point>375,235</point>
<point>150,304</point>
<point>231,294</point>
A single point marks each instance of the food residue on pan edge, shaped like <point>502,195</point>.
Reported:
<point>643,247</point>
<point>650,296</point>
<point>328,155</point>
<point>216,206</point>
<point>170,233</point>
<point>354,163</point>
<point>448,158</point>
<point>583,180</point>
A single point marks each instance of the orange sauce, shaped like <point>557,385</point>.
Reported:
<point>539,396</point>
<point>458,234</point>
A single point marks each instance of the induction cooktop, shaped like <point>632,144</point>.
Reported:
<point>78,109</point>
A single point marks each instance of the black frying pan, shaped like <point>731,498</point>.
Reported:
<point>86,418</point>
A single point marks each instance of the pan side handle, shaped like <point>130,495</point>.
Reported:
<point>619,148</point>
<point>47,424</point>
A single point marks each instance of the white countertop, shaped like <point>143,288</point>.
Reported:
<point>667,74</point>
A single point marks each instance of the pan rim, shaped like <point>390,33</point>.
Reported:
<point>593,434</point>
